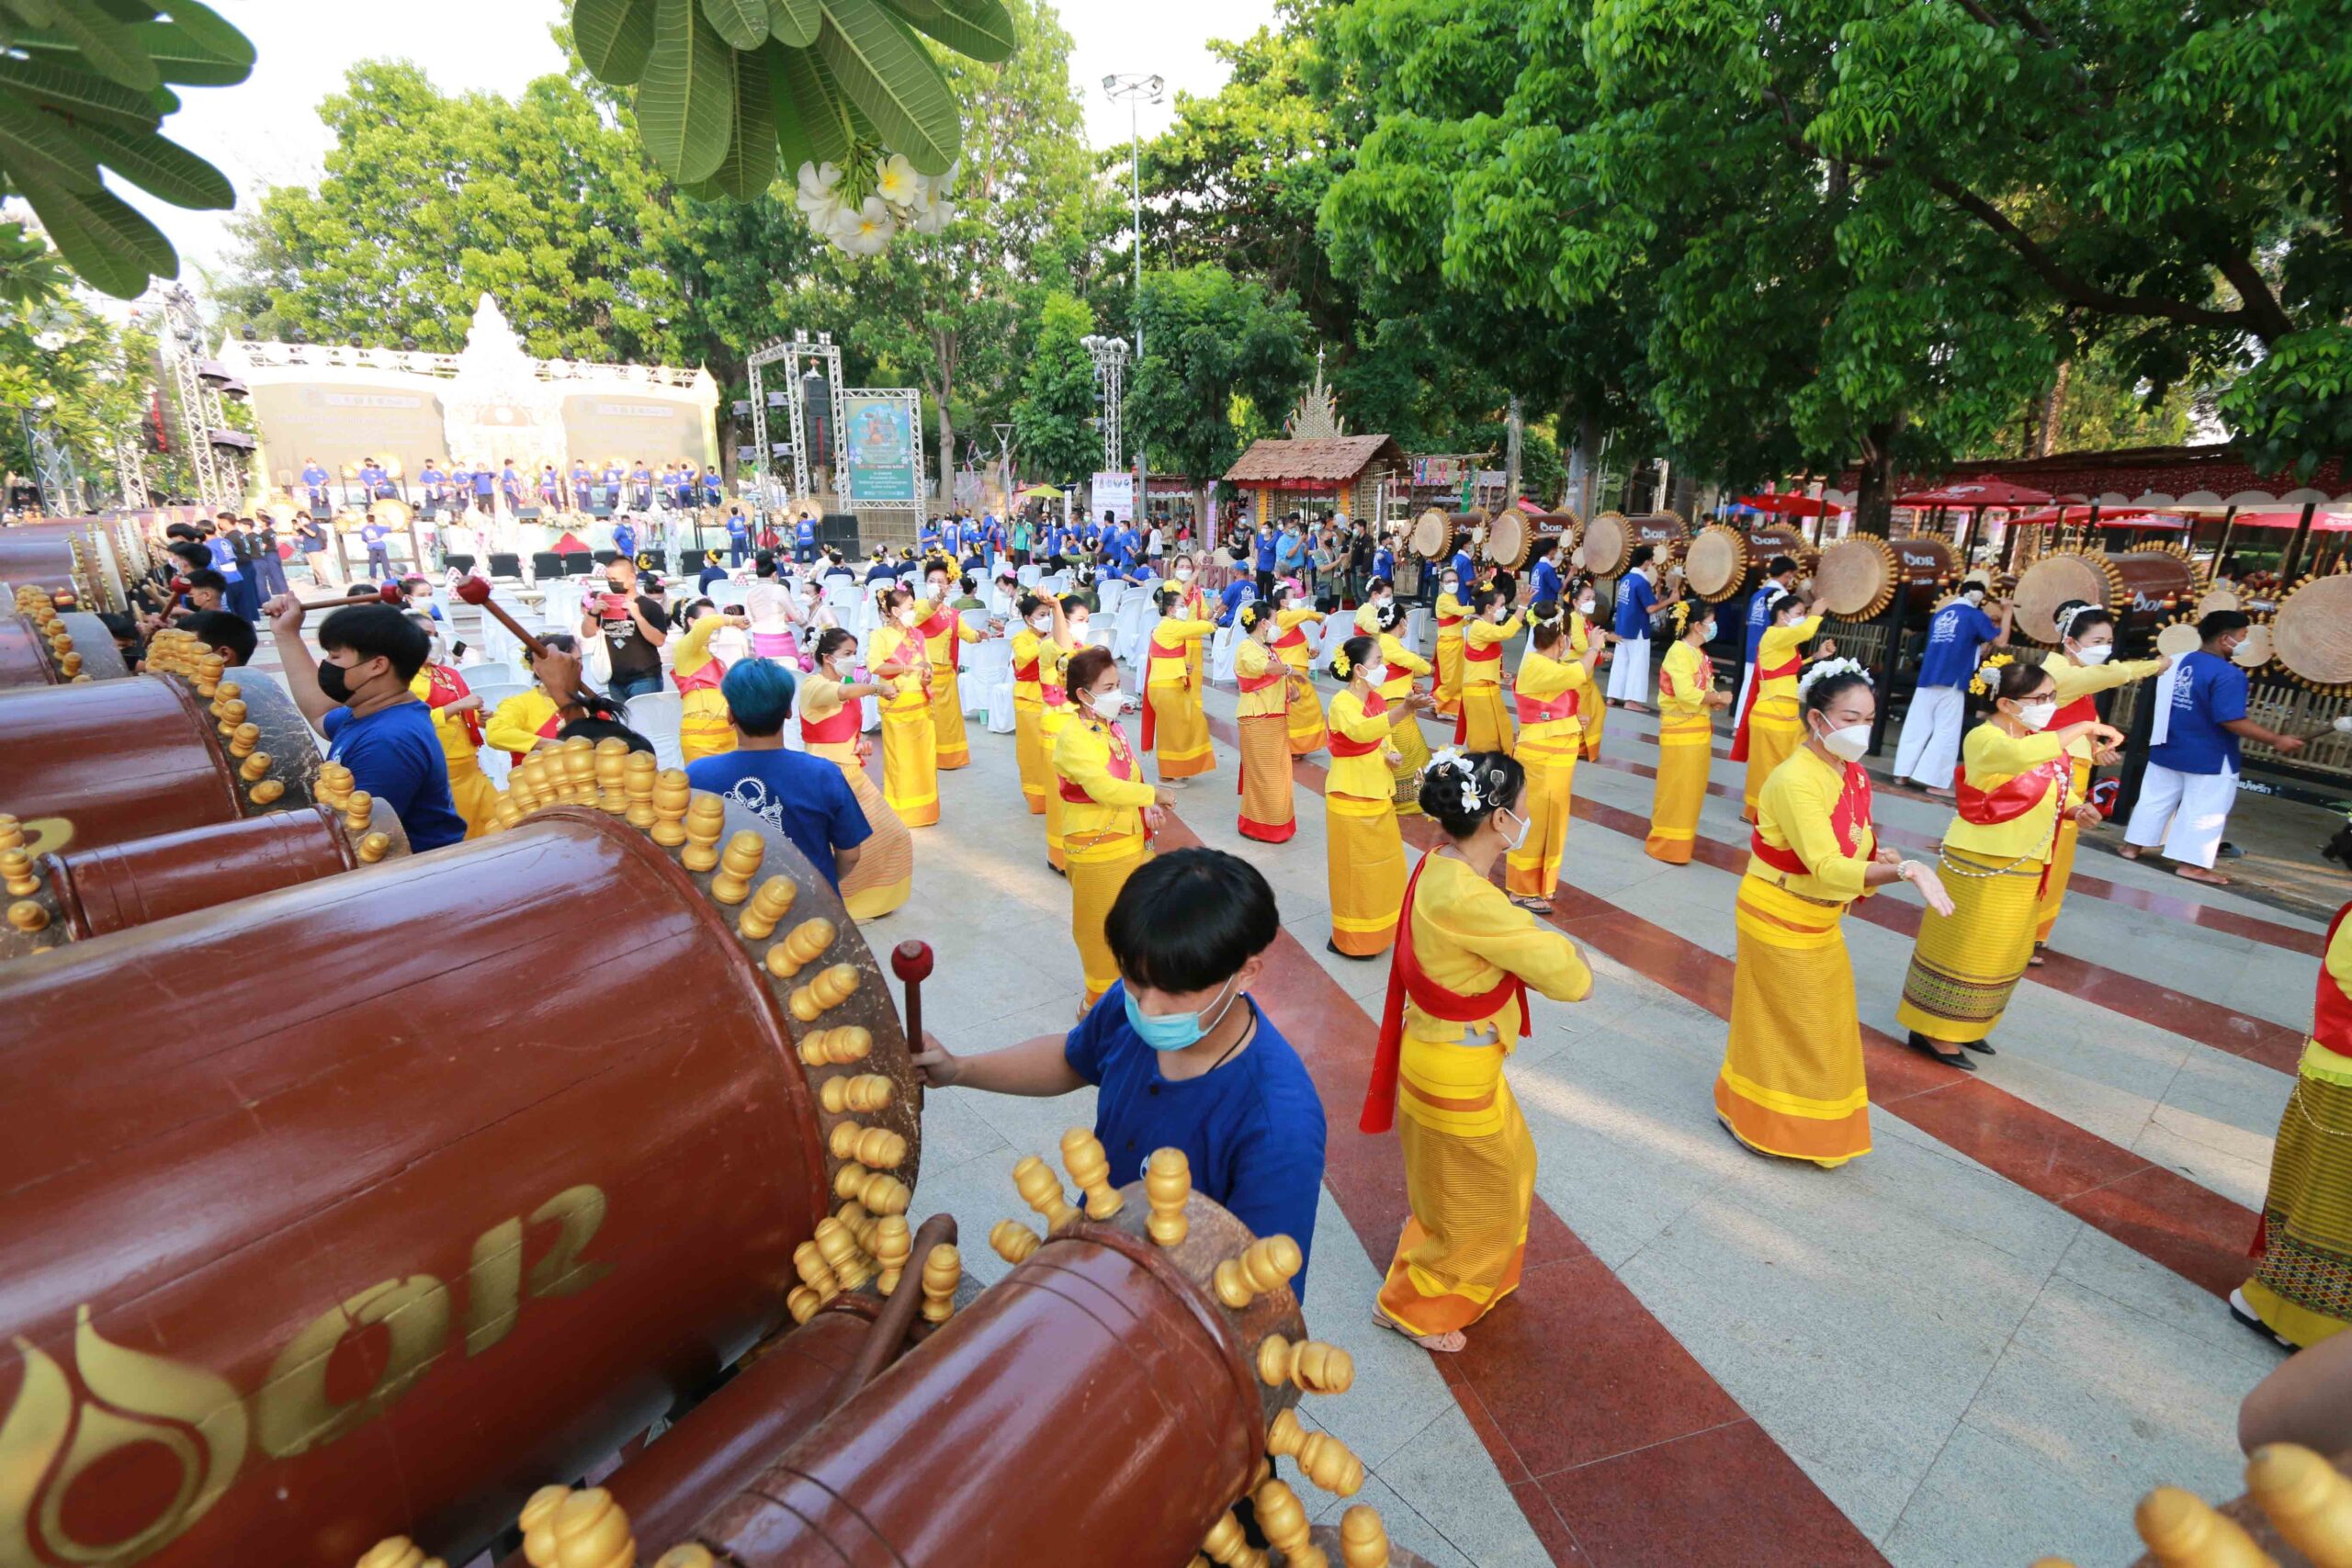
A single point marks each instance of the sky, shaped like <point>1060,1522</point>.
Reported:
<point>265,130</point>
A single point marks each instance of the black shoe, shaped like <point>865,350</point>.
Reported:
<point>1057,871</point>
<point>1982,1047</point>
<point>1921,1044</point>
<point>1332,947</point>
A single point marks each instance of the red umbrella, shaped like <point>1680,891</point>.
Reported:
<point>2144,520</point>
<point>1983,491</point>
<point>1788,503</point>
<point>2322,522</point>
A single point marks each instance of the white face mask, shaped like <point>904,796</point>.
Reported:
<point>2094,656</point>
<point>906,617</point>
<point>1184,574</point>
<point>1974,595</point>
<point>1451,586</point>
<point>1526,824</point>
<point>1380,599</point>
<point>1584,606</point>
<point>2037,715</point>
<point>1707,631</point>
<point>1109,705</point>
<point>1377,674</point>
<point>1041,623</point>
<point>1078,629</point>
<point>1847,745</point>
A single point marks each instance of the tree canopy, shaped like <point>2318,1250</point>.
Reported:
<point>1223,358</point>
<point>1053,424</point>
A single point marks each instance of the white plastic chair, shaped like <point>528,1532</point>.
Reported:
<point>1133,629</point>
<point>1112,592</point>
<point>1030,576</point>
<point>657,715</point>
<point>1221,643</point>
<point>987,683</point>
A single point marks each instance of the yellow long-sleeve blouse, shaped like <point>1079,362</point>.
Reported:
<point>1794,813</point>
<point>449,728</point>
<point>1169,662</point>
<point>694,652</point>
<point>1026,647</point>
<point>2319,1061</point>
<point>1468,935</point>
<point>1778,647</point>
<point>1300,657</point>
<point>1989,759</point>
<point>1451,608</point>
<point>514,724</point>
<point>898,645</point>
<point>2075,680</point>
<point>1365,777</point>
<point>1251,660</point>
<point>1483,633</point>
<point>1680,694</point>
<point>935,645</point>
<point>1403,665</point>
<point>1542,678</point>
<point>1113,806</point>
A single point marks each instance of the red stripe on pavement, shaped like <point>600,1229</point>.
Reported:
<point>1603,1426</point>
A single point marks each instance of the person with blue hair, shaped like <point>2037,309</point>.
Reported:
<point>804,797</point>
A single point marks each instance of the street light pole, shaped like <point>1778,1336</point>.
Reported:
<point>1137,89</point>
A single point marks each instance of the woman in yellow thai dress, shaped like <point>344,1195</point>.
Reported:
<point>1456,1008</point>
<point>945,632</point>
<point>1553,690</point>
<point>2302,1287</point>
<point>1175,730</point>
<point>1069,635</point>
<point>1584,635</point>
<point>2011,790</point>
<point>1108,812</point>
<point>1405,707</point>
<point>2083,667</point>
<point>1364,851</point>
<point>1687,699</point>
<point>910,781</point>
<point>1483,723</point>
<point>1262,714</point>
<point>1774,727</point>
<point>457,724</point>
<point>830,721</point>
<point>1197,606</point>
<point>1378,594</point>
<point>705,727</point>
<point>1792,1079</point>
<point>1029,703</point>
<point>1450,612</point>
<point>1293,648</point>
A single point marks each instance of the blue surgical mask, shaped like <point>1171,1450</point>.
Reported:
<point>1173,1031</point>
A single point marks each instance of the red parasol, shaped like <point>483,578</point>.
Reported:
<point>1983,490</point>
<point>1790,504</point>
<point>2322,522</point>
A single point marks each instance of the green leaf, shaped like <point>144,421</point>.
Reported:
<point>685,104</point>
<point>160,167</point>
<point>743,23</point>
<point>824,113</point>
<point>42,145</point>
<point>980,29</point>
<point>111,247</point>
<point>78,92</point>
<point>795,22</point>
<point>34,13</point>
<point>615,37</point>
<point>750,164</point>
<point>113,49</point>
<point>206,29</point>
<point>885,72</point>
<point>793,144</point>
<point>183,57</point>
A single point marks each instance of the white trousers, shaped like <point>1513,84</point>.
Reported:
<point>2184,812</point>
<point>1928,751</point>
<point>1629,673</point>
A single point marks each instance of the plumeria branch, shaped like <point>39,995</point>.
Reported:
<point>863,207</point>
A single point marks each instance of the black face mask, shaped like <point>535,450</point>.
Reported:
<point>334,682</point>
<point>612,587</point>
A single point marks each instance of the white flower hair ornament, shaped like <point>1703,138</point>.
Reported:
<point>1453,760</point>
<point>1827,668</point>
<point>2068,614</point>
<point>1986,682</point>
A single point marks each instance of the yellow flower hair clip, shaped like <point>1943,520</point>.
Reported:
<point>1341,665</point>
<point>1681,616</point>
<point>1988,674</point>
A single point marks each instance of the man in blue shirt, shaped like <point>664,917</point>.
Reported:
<point>624,538</point>
<point>739,539</point>
<point>372,477</point>
<point>1384,561</point>
<point>804,539</point>
<point>1290,550</point>
<point>579,485</point>
<point>373,534</point>
<point>1464,568</point>
<point>1779,577</point>
<point>358,697</point>
<point>1544,577</point>
<point>1237,592</point>
<point>640,484</point>
<point>1262,544</point>
<point>315,479</point>
<point>485,483</point>
<point>1637,608</point>
<point>803,797</point>
<point>2193,774</point>
<point>927,537</point>
<point>611,480</point>
<point>1181,1054</point>
<point>1929,752</point>
<point>435,482</point>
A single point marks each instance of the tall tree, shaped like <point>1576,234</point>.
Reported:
<point>81,372</point>
<point>1053,422</point>
<point>1225,359</point>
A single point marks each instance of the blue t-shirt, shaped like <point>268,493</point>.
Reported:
<point>624,539</point>
<point>483,480</point>
<point>394,756</point>
<point>737,529</point>
<point>1546,579</point>
<point>224,558</point>
<point>373,534</point>
<point>1464,568</point>
<point>1636,600</point>
<point>1384,563</point>
<point>1252,1129</point>
<point>1954,635</point>
<point>1237,592</point>
<point>2207,692</point>
<point>1292,554</point>
<point>804,796</point>
<point>1265,549</point>
<point>314,476</point>
<point>1759,617</point>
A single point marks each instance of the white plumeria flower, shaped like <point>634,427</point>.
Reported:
<point>895,180</point>
<point>934,216</point>
<point>866,230</point>
<point>819,197</point>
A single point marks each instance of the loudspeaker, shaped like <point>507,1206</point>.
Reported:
<point>836,528</point>
<point>527,513</point>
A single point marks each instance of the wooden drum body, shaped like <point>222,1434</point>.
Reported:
<point>2137,587</point>
<point>1859,577</point>
<point>1609,539</point>
<point>61,558</point>
<point>356,1214</point>
<point>1436,531</point>
<point>43,646</point>
<point>1725,560</point>
<point>1515,533</point>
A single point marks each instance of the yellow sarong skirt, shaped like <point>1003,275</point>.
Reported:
<point>952,748</point>
<point>2302,1281</point>
<point>1964,964</point>
<point>1098,869</point>
<point>1485,723</point>
<point>1365,855</point>
<point>1792,1079</point>
<point>1774,730</point>
<point>705,729</point>
<point>1267,811</point>
<point>1449,673</point>
<point>1180,737</point>
<point>1533,870</point>
<point>2062,859</point>
<point>1684,749</point>
<point>909,777</point>
<point>1412,749</point>
<point>1592,728</point>
<point>475,797</point>
<point>1306,734</point>
<point>1470,1177</point>
<point>1029,754</point>
<point>885,874</point>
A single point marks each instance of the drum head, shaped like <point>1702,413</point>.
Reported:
<point>2180,639</point>
<point>1508,538</point>
<point>2312,633</point>
<point>1716,564</point>
<point>1855,578</point>
<point>2217,598</point>
<point>1606,542</point>
<point>2049,583</point>
<point>2257,650</point>
<point>393,512</point>
<point>1432,534</point>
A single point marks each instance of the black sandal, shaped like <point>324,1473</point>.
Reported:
<point>1926,1047</point>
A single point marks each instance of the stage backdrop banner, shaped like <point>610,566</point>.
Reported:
<point>1115,494</point>
<point>885,463</point>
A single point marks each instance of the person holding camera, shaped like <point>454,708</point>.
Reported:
<point>631,625</point>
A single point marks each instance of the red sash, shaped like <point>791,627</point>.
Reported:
<point>1374,707</point>
<point>1847,818</point>
<point>1533,712</point>
<point>548,730</point>
<point>1739,736</point>
<point>2331,1013</point>
<point>1027,671</point>
<point>2082,710</point>
<point>1295,637</point>
<point>836,728</point>
<point>1477,655</point>
<point>1405,978</point>
<point>1122,765</point>
<point>1259,682</point>
<point>444,685</point>
<point>2012,800</point>
<point>945,620</point>
<point>1447,623</point>
<point>705,678</point>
